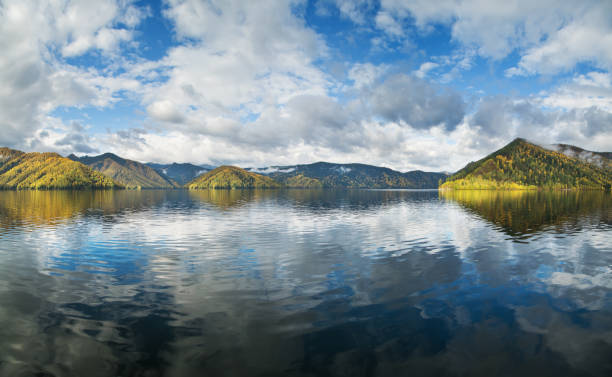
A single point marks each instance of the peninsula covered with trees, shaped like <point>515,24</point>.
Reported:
<point>522,165</point>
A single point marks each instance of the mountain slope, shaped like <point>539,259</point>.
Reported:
<point>523,165</point>
<point>601,159</point>
<point>231,177</point>
<point>47,171</point>
<point>330,175</point>
<point>130,173</point>
<point>180,173</point>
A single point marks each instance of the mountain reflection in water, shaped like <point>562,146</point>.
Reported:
<point>305,283</point>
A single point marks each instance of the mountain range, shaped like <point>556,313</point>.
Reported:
<point>518,165</point>
<point>330,175</point>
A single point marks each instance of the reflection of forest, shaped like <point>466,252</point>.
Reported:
<point>526,212</point>
<point>314,199</point>
<point>44,207</point>
<point>47,207</point>
<point>226,199</point>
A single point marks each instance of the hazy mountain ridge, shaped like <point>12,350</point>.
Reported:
<point>523,165</point>
<point>601,159</point>
<point>332,175</point>
<point>130,173</point>
<point>48,171</point>
<point>182,173</point>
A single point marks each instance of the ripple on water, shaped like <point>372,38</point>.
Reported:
<point>304,283</point>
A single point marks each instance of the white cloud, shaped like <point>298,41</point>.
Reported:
<point>384,20</point>
<point>354,10</point>
<point>233,88</point>
<point>593,89</point>
<point>585,39</point>
<point>35,78</point>
<point>425,68</point>
<point>551,36</point>
<point>238,64</point>
<point>366,74</point>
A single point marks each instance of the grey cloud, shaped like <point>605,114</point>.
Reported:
<point>77,127</point>
<point>504,116</point>
<point>132,134</point>
<point>19,111</point>
<point>316,120</point>
<point>492,116</point>
<point>417,102</point>
<point>76,142</point>
<point>597,121</point>
<point>128,139</point>
<point>26,76</point>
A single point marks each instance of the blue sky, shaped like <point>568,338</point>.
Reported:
<point>403,84</point>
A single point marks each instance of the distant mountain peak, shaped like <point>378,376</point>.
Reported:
<point>131,173</point>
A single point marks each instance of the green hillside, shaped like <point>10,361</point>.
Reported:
<point>130,173</point>
<point>231,177</point>
<point>47,171</point>
<point>522,165</point>
<point>301,181</point>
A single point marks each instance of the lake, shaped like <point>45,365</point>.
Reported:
<point>305,283</point>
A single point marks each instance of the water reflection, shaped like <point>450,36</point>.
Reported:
<point>303,283</point>
<point>22,208</point>
<point>523,213</point>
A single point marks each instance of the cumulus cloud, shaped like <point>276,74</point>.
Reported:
<point>503,118</point>
<point>593,89</point>
<point>36,36</point>
<point>417,103</point>
<point>238,63</point>
<point>551,36</point>
<point>366,74</point>
<point>233,89</point>
<point>506,117</point>
<point>597,121</point>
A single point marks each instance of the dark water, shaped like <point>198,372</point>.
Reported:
<point>305,283</point>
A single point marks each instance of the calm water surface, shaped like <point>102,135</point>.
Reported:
<point>305,283</point>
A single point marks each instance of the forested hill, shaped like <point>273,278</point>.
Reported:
<point>47,171</point>
<point>331,175</point>
<point>130,173</point>
<point>231,177</point>
<point>523,165</point>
